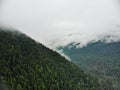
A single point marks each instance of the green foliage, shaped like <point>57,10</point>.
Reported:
<point>28,65</point>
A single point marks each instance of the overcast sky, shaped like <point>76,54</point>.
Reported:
<point>64,21</point>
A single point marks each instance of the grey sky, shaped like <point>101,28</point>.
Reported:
<point>52,20</point>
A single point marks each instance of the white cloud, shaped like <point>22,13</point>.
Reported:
<point>53,20</point>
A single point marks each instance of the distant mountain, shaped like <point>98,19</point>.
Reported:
<point>98,58</point>
<point>28,65</point>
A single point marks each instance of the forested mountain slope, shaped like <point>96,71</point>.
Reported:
<point>28,65</point>
<point>99,58</point>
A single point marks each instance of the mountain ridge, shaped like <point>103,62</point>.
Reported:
<point>99,58</point>
<point>27,65</point>
<point>81,40</point>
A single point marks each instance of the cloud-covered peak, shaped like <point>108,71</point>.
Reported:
<point>63,21</point>
<point>82,39</point>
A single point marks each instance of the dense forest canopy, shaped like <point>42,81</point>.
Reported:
<point>28,65</point>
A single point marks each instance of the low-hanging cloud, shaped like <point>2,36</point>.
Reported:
<point>60,22</point>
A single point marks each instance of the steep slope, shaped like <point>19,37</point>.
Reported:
<point>28,65</point>
<point>99,58</point>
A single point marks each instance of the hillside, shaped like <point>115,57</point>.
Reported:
<point>28,65</point>
<point>100,59</point>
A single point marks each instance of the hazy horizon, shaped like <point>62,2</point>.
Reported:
<point>63,21</point>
